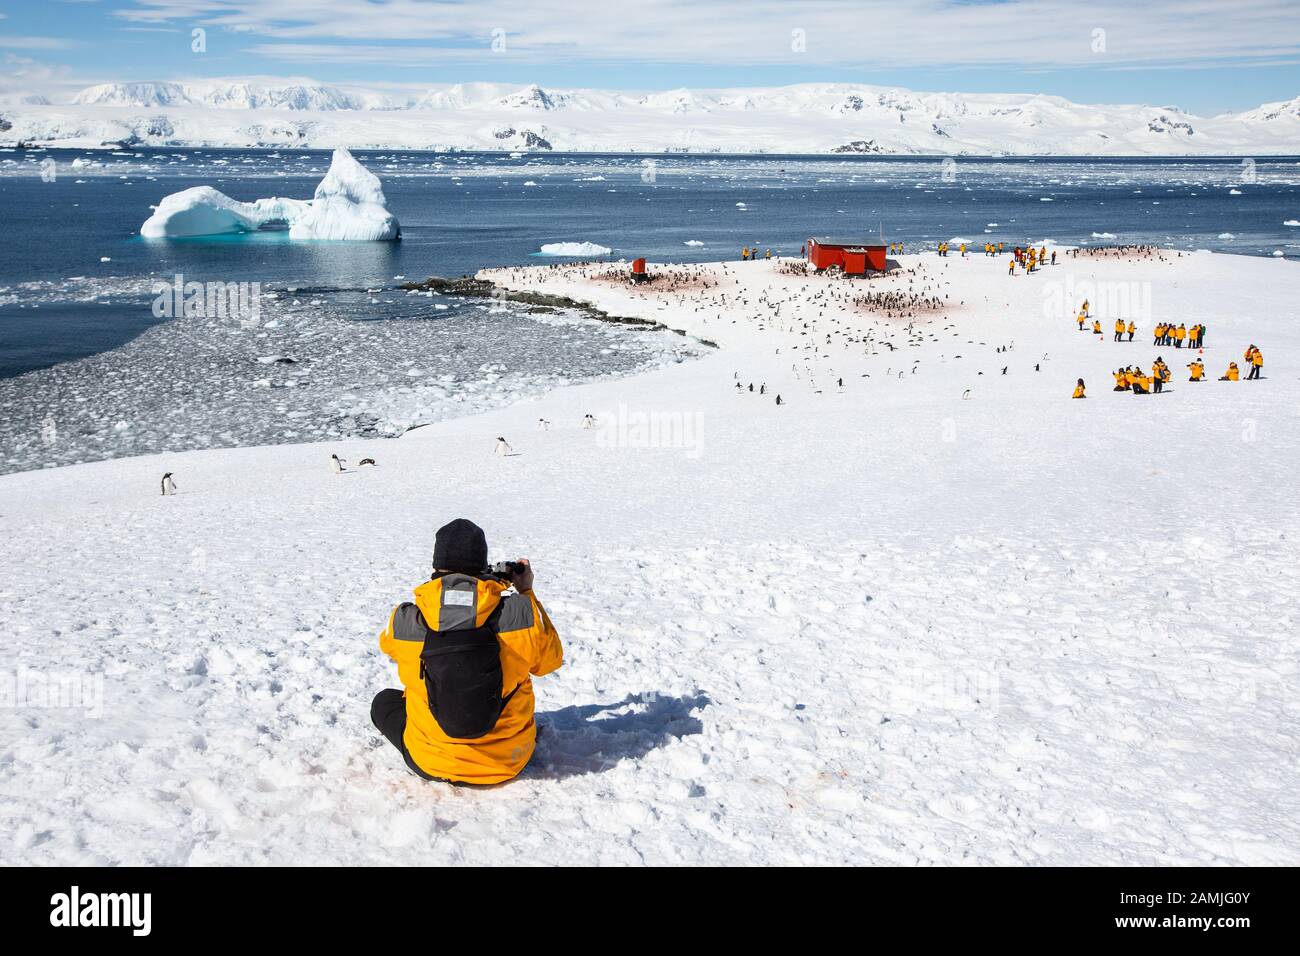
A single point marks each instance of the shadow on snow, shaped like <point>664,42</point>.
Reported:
<point>591,738</point>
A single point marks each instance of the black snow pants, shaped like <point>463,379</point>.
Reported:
<point>388,714</point>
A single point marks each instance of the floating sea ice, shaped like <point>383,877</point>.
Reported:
<point>348,204</point>
<point>1234,192</point>
<point>696,242</point>
<point>1103,235</point>
<point>574,249</point>
<point>1226,235</point>
<point>1292,222</point>
<point>105,259</point>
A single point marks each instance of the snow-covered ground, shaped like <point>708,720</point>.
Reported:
<point>802,118</point>
<point>877,624</point>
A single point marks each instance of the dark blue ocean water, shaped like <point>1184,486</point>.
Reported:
<point>461,212</point>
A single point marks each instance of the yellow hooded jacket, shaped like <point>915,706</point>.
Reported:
<point>529,646</point>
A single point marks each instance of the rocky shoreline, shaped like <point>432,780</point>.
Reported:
<point>474,287</point>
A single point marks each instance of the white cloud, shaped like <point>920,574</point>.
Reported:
<point>949,33</point>
<point>35,43</point>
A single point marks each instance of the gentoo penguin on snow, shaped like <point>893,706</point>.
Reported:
<point>366,461</point>
<point>337,462</point>
<point>542,424</point>
<point>503,447</point>
<point>168,486</point>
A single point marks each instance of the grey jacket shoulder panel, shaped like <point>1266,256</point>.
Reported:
<point>516,613</point>
<point>409,623</point>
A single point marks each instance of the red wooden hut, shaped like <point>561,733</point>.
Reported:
<point>853,256</point>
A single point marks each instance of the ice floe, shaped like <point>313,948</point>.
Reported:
<point>574,249</point>
<point>349,204</point>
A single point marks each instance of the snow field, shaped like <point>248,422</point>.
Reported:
<point>883,625</point>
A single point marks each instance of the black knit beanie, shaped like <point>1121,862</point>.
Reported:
<point>460,546</point>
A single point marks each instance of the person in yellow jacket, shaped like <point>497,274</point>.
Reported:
<point>1119,330</point>
<point>1180,334</point>
<point>744,254</point>
<point>1158,333</point>
<point>1121,380</point>
<point>1232,374</point>
<point>1256,359</point>
<point>1096,326</point>
<point>1081,319</point>
<point>1011,267</point>
<point>466,653</point>
<point>1197,369</point>
<point>1132,330</point>
<point>1078,390</point>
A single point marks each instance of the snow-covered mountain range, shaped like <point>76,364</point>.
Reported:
<point>804,118</point>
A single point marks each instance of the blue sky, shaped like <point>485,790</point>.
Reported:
<point>1206,57</point>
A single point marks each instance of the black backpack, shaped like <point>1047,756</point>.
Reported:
<point>461,666</point>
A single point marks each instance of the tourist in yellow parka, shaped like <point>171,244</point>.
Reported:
<point>472,627</point>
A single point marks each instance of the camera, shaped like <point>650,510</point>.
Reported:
<point>507,570</point>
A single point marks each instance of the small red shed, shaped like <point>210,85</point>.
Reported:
<point>853,256</point>
<point>638,271</point>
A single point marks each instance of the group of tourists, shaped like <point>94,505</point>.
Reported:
<point>1133,379</point>
<point>1029,259</point>
<point>1167,334</point>
<point>748,253</point>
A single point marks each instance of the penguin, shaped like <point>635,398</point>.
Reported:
<point>337,464</point>
<point>168,485</point>
<point>542,424</point>
<point>366,461</point>
<point>503,447</point>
